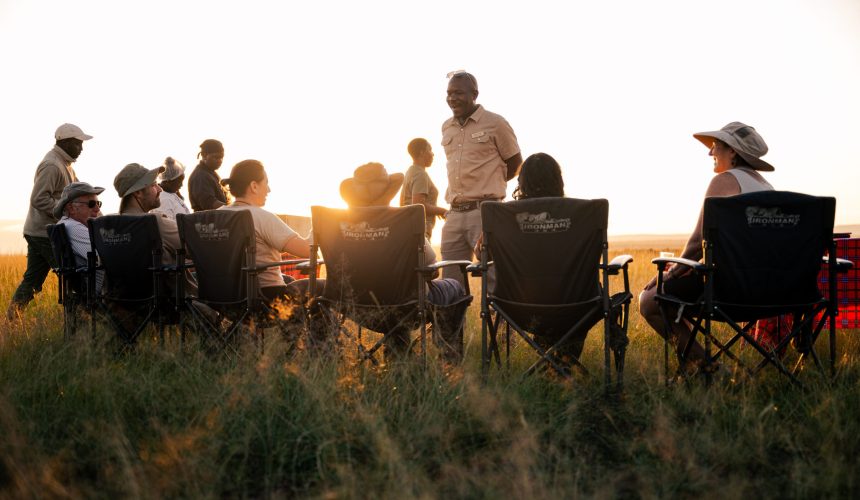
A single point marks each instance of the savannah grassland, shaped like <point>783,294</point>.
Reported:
<point>79,421</point>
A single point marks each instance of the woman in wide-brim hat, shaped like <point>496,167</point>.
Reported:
<point>370,186</point>
<point>737,150</point>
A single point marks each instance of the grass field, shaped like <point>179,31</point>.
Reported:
<point>77,420</point>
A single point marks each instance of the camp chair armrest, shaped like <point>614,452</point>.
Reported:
<point>436,266</point>
<point>263,267</point>
<point>446,263</point>
<point>692,264</point>
<point>306,266</point>
<point>618,263</point>
<point>842,265</point>
<point>476,269</point>
<point>169,269</point>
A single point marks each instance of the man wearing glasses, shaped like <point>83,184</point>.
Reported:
<point>79,202</point>
<point>53,174</point>
<point>483,155</point>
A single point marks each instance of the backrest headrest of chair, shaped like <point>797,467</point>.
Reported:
<point>371,251</point>
<point>768,245</point>
<point>60,246</point>
<point>546,250</point>
<point>125,245</point>
<point>217,241</point>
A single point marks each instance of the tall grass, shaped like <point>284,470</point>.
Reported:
<point>78,420</point>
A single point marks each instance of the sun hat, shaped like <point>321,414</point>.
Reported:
<point>69,131</point>
<point>370,185</point>
<point>72,191</point>
<point>743,139</point>
<point>172,169</point>
<point>134,177</point>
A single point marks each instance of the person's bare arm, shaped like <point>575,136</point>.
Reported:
<point>431,210</point>
<point>721,185</point>
<point>513,165</point>
<point>298,246</point>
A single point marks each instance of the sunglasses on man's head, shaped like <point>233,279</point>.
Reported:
<point>89,204</point>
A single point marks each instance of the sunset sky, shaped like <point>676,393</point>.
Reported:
<point>613,90</point>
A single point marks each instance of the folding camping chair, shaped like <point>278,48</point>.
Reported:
<point>221,244</point>
<point>376,274</point>
<point>552,280</point>
<point>762,255</point>
<point>135,289</point>
<point>76,282</point>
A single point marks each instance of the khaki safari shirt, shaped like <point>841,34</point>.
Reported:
<point>476,153</point>
<point>417,181</point>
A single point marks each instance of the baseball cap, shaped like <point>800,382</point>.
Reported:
<point>70,131</point>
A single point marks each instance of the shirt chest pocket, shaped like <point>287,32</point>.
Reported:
<point>481,139</point>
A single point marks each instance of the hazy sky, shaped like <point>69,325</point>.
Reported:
<point>614,90</point>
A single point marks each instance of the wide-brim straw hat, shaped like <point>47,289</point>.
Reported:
<point>743,139</point>
<point>371,185</point>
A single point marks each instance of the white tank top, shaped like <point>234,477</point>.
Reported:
<point>747,182</point>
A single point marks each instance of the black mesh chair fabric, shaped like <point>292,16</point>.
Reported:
<point>548,254</point>
<point>363,246</point>
<point>217,242</point>
<point>373,258</point>
<point>769,246</point>
<point>762,255</point>
<point>222,246</point>
<point>130,248</point>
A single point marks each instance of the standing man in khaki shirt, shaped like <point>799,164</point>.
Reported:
<point>54,173</point>
<point>483,155</point>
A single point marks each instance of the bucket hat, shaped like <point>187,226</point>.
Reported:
<point>743,139</point>
<point>370,185</point>
<point>72,191</point>
<point>134,177</point>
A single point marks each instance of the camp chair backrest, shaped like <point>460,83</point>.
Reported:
<point>546,250</point>
<point>371,253</point>
<point>61,248</point>
<point>216,241</point>
<point>767,246</point>
<point>125,245</point>
<point>64,255</point>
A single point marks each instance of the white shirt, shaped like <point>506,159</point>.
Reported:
<point>79,238</point>
<point>171,204</point>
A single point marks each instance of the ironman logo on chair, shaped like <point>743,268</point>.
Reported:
<point>770,217</point>
<point>541,223</point>
<point>361,231</point>
<point>111,237</point>
<point>210,232</point>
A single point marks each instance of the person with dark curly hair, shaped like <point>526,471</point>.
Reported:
<point>540,176</point>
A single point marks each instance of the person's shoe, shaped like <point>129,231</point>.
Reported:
<point>13,312</point>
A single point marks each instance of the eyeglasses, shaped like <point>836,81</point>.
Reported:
<point>89,204</point>
<point>455,73</point>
